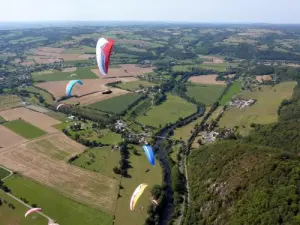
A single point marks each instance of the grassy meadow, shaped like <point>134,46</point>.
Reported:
<point>9,216</point>
<point>206,94</point>
<point>117,104</point>
<point>167,112</point>
<point>64,210</point>
<point>264,111</point>
<point>134,85</point>
<point>233,90</point>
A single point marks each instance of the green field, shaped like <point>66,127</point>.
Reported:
<point>3,173</point>
<point>24,129</point>
<point>117,104</point>
<point>139,164</point>
<point>134,85</point>
<point>81,73</point>
<point>9,216</point>
<point>206,94</point>
<point>104,136</point>
<point>60,208</point>
<point>264,111</point>
<point>234,89</point>
<point>101,160</point>
<point>168,112</point>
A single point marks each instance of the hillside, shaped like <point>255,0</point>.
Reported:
<point>235,183</point>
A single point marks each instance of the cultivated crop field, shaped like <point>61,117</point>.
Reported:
<point>40,161</point>
<point>24,129</point>
<point>234,89</point>
<point>79,73</point>
<point>206,94</point>
<point>39,120</point>
<point>117,104</point>
<point>135,85</point>
<point>169,111</point>
<point>9,138</point>
<point>16,216</point>
<point>54,204</point>
<point>51,55</point>
<point>9,101</point>
<point>264,111</point>
<point>206,79</point>
<point>211,59</point>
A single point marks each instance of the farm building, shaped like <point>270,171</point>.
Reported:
<point>241,103</point>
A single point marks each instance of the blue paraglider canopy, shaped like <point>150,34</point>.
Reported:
<point>149,153</point>
<point>70,86</point>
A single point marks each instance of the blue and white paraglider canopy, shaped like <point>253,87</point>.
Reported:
<point>149,153</point>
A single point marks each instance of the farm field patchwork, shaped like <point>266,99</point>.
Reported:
<point>79,73</point>
<point>24,129</point>
<point>264,111</point>
<point>117,104</point>
<point>206,79</point>
<point>234,89</point>
<point>206,94</point>
<point>60,208</point>
<point>16,215</point>
<point>44,166</point>
<point>90,86</point>
<point>168,112</point>
<point>39,120</point>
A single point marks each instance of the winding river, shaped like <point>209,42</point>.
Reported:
<point>162,155</point>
